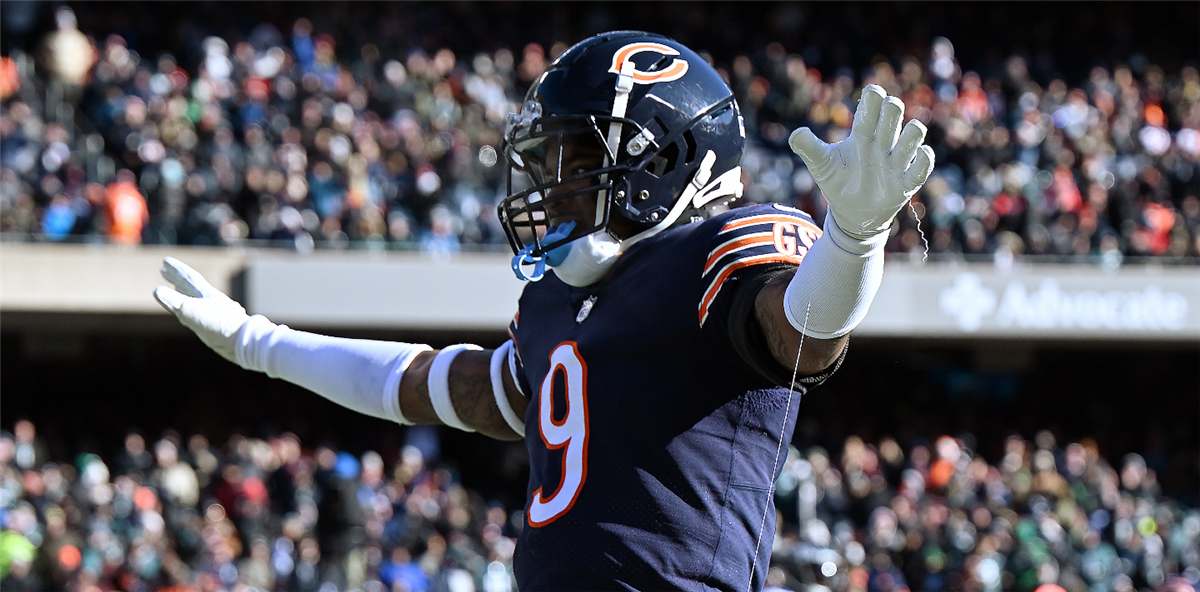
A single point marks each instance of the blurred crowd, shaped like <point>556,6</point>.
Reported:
<point>253,514</point>
<point>287,137</point>
<point>1097,169</point>
<point>273,514</point>
<point>937,517</point>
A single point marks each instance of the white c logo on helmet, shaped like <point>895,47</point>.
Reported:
<point>674,71</point>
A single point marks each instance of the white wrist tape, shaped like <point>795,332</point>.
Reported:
<point>358,374</point>
<point>500,358</point>
<point>439,385</point>
<point>835,284</point>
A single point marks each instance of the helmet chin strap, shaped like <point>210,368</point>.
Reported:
<point>624,86</point>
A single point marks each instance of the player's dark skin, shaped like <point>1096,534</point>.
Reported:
<point>470,379</point>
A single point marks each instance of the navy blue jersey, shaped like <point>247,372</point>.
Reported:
<point>654,430</point>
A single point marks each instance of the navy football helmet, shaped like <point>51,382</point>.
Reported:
<point>639,121</point>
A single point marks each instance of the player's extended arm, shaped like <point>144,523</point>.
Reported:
<point>866,179</point>
<point>462,386</point>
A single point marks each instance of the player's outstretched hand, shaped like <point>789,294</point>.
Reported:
<point>871,174</point>
<point>213,316</point>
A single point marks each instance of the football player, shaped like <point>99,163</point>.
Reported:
<point>658,354</point>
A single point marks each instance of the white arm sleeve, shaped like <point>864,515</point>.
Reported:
<point>834,286</point>
<point>358,374</point>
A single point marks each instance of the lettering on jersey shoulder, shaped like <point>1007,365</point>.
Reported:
<point>673,71</point>
<point>794,238</point>
<point>783,236</point>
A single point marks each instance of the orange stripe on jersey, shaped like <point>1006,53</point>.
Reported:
<point>736,244</point>
<point>715,287</point>
<point>763,219</point>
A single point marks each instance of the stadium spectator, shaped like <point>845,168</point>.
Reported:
<point>293,139</point>
<point>68,55</point>
<point>932,515</point>
<point>126,209</point>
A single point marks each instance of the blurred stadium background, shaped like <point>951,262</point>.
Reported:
<point>1020,411</point>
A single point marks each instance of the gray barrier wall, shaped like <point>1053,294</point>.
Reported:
<point>385,290</point>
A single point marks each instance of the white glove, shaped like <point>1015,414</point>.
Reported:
<point>871,174</point>
<point>213,316</point>
<point>359,374</point>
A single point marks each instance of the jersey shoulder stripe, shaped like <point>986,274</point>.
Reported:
<point>516,365</point>
<point>763,235</point>
<point>737,243</point>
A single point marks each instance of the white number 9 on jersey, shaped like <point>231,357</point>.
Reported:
<point>571,432</point>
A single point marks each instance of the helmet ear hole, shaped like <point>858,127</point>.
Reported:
<point>665,161</point>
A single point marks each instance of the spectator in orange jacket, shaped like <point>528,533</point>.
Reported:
<point>126,207</point>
